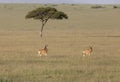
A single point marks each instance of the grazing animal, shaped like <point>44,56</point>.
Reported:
<point>43,51</point>
<point>87,51</point>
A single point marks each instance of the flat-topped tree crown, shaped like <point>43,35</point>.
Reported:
<point>44,14</point>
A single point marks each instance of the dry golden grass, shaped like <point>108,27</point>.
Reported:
<point>20,41</point>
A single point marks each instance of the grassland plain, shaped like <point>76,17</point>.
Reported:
<point>20,41</point>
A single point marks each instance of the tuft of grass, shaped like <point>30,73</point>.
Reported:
<point>6,80</point>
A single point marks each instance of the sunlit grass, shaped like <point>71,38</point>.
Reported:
<point>20,41</point>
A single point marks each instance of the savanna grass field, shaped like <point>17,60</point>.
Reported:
<point>66,39</point>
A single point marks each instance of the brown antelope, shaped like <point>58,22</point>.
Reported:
<point>87,51</point>
<point>43,51</point>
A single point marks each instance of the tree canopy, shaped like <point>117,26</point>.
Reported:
<point>44,14</point>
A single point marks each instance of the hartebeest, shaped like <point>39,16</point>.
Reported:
<point>87,51</point>
<point>43,51</point>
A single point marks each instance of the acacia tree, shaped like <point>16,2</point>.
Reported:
<point>44,14</point>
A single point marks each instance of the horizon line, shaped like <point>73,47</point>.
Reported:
<point>59,3</point>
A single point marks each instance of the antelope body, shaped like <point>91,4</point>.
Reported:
<point>87,51</point>
<point>43,51</point>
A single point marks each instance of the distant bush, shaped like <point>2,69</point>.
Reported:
<point>115,7</point>
<point>72,4</point>
<point>54,5</point>
<point>97,7</point>
<point>45,4</point>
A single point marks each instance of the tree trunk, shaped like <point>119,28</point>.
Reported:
<point>41,29</point>
<point>43,24</point>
